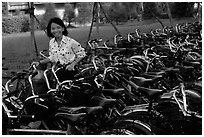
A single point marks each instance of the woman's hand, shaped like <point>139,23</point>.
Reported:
<point>70,67</point>
<point>36,63</point>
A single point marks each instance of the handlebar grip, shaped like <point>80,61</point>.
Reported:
<point>34,74</point>
<point>44,95</point>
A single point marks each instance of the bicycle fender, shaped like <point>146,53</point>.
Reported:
<point>193,95</point>
<point>135,123</point>
<point>135,114</point>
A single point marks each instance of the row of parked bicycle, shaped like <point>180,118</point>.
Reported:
<point>146,83</point>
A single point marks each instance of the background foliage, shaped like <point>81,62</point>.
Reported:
<point>116,12</point>
<point>15,24</point>
<point>182,9</point>
<point>69,14</point>
<point>150,10</point>
<point>49,13</point>
<point>85,12</point>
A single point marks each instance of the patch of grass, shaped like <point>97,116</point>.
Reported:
<point>19,51</point>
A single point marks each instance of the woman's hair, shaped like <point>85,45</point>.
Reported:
<point>59,22</point>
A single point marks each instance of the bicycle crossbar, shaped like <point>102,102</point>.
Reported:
<point>39,131</point>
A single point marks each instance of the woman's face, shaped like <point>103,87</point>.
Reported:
<point>56,30</point>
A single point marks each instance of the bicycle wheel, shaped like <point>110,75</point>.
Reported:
<point>136,114</point>
<point>194,101</point>
<point>117,132</point>
<point>134,126</point>
<point>20,88</point>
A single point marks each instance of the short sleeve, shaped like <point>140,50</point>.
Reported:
<point>78,49</point>
<point>50,50</point>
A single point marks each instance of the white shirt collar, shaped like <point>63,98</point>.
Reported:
<point>64,40</point>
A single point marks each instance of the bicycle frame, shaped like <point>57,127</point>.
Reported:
<point>172,97</point>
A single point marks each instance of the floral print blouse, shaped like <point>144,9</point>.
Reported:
<point>66,52</point>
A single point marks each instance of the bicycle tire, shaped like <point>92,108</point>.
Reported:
<point>117,132</point>
<point>135,126</point>
<point>136,114</point>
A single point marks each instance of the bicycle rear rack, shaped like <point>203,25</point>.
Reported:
<point>38,131</point>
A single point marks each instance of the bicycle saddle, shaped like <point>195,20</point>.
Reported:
<point>151,76</point>
<point>159,73</point>
<point>77,110</point>
<point>114,91</point>
<point>71,117</point>
<point>104,102</point>
<point>140,80</point>
<point>72,110</point>
<point>150,93</point>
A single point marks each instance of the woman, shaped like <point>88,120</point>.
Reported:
<point>62,49</point>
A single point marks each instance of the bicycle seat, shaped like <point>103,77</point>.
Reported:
<point>71,117</point>
<point>147,80</point>
<point>77,110</point>
<point>104,102</point>
<point>148,76</point>
<point>150,93</point>
<point>140,80</point>
<point>72,110</point>
<point>114,91</point>
<point>155,73</point>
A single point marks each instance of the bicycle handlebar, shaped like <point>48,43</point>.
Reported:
<point>41,53</point>
<point>21,116</point>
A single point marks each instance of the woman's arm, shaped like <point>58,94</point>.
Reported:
<point>76,60</point>
<point>79,55</point>
<point>44,61</point>
<point>73,63</point>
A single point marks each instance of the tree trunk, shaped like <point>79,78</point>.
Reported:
<point>169,14</point>
<point>198,15</point>
<point>97,19</point>
<point>32,32</point>
<point>142,9</point>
